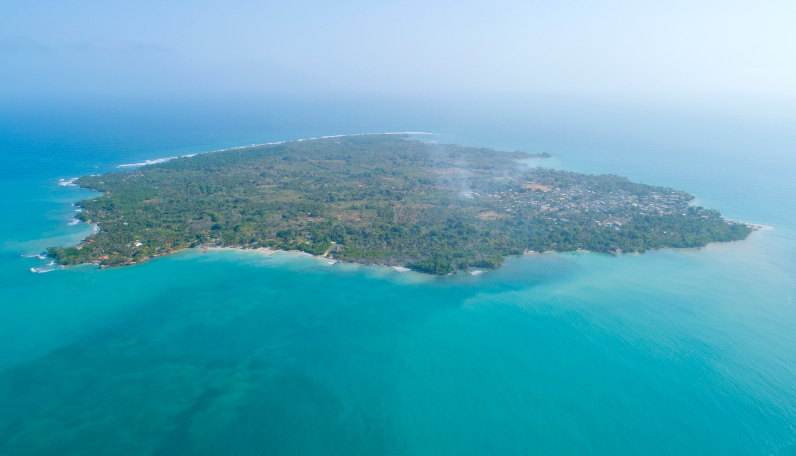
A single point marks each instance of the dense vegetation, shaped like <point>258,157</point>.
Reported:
<point>382,199</point>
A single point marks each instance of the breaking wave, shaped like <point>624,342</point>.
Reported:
<point>67,182</point>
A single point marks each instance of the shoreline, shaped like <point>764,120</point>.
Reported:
<point>156,161</point>
<point>268,251</point>
<point>394,261</point>
<point>755,227</point>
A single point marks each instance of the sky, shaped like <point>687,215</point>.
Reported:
<point>578,48</point>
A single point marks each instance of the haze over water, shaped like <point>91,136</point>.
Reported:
<point>669,352</point>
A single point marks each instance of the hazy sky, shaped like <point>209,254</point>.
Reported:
<point>657,49</point>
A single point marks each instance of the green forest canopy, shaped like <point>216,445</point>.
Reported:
<point>382,199</point>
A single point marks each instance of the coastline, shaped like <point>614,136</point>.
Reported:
<point>267,251</point>
<point>153,250</point>
<point>755,227</point>
<point>70,182</point>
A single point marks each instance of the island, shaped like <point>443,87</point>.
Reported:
<point>382,199</point>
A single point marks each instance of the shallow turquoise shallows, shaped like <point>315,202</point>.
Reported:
<point>673,352</point>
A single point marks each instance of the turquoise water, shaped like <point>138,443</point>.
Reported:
<point>670,352</point>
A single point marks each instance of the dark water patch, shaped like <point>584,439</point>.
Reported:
<point>178,440</point>
<point>100,400</point>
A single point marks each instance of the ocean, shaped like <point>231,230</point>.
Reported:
<point>686,352</point>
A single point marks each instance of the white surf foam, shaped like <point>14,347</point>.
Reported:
<point>146,162</point>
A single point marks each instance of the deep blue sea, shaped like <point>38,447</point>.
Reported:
<point>673,352</point>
